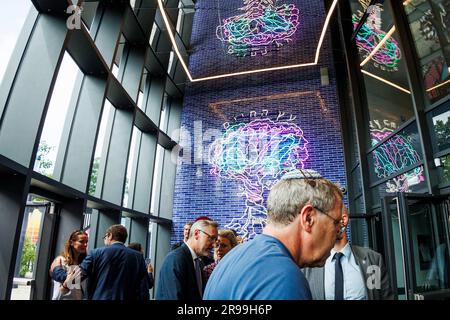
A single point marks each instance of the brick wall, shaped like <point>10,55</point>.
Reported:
<point>298,93</point>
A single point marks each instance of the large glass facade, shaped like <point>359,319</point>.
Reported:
<point>85,117</point>
<point>11,25</point>
<point>430,27</point>
<point>56,117</point>
<point>101,147</point>
<point>383,67</point>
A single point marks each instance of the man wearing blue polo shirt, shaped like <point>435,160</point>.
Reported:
<point>304,213</point>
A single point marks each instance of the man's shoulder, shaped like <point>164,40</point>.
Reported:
<point>113,249</point>
<point>176,245</point>
<point>362,252</point>
<point>178,255</point>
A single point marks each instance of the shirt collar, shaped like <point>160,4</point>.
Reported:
<point>193,254</point>
<point>346,251</point>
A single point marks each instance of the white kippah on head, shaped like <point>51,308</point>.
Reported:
<point>302,174</point>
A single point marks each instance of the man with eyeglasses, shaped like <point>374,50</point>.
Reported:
<point>350,272</point>
<point>181,276</point>
<point>304,211</point>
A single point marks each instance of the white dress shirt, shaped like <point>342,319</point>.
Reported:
<point>194,255</point>
<point>354,286</point>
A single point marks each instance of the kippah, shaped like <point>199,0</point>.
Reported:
<point>202,218</point>
<point>301,174</point>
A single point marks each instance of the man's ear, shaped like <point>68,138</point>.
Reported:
<point>345,218</point>
<point>307,218</point>
<point>196,234</point>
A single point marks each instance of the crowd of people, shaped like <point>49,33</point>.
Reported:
<point>303,253</point>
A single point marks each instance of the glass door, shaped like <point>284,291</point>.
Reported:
<point>24,277</point>
<point>416,234</point>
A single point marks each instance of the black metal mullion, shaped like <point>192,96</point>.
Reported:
<point>407,245</point>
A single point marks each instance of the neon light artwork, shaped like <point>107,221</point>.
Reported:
<point>256,154</point>
<point>263,27</point>
<point>394,155</point>
<point>388,56</point>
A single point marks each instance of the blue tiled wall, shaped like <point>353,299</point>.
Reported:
<point>297,92</point>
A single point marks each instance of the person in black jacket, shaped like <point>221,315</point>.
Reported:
<point>181,276</point>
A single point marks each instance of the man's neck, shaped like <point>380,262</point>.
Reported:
<point>282,234</point>
<point>340,244</point>
<point>114,241</point>
<point>192,247</point>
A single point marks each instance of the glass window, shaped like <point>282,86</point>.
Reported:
<point>429,21</point>
<point>444,169</point>
<point>101,147</point>
<point>154,36</point>
<point>170,68</point>
<point>411,181</point>
<point>118,57</point>
<point>428,226</point>
<point>396,154</point>
<point>56,117</point>
<point>149,243</point>
<point>358,8</point>
<point>88,13</point>
<point>441,128</point>
<point>12,18</point>
<point>163,122</point>
<point>140,99</point>
<point>383,67</point>
<point>124,220</point>
<point>27,253</point>
<point>127,203</point>
<point>156,184</point>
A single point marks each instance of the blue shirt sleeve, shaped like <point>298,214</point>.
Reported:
<point>59,274</point>
<point>88,263</point>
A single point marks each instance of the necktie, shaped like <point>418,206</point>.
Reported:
<point>198,275</point>
<point>338,277</point>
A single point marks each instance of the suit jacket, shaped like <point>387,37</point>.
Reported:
<point>364,258</point>
<point>177,279</point>
<point>114,273</point>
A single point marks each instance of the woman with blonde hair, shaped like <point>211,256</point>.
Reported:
<point>225,242</point>
<point>73,254</point>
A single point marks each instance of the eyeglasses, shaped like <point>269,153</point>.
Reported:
<point>336,222</point>
<point>105,236</point>
<point>210,237</point>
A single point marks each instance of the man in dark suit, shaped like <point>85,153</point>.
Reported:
<point>350,273</point>
<point>114,272</point>
<point>181,276</point>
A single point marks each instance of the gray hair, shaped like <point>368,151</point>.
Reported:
<point>296,189</point>
<point>199,225</point>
